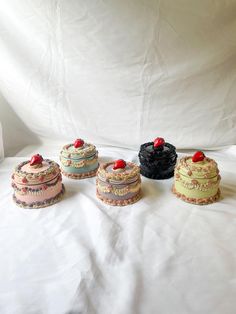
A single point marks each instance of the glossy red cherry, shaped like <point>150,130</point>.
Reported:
<point>36,160</point>
<point>78,143</point>
<point>159,142</point>
<point>198,156</point>
<point>119,164</point>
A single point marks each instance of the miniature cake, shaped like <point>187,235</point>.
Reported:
<point>119,183</point>
<point>197,179</point>
<point>79,160</point>
<point>157,159</point>
<point>37,183</point>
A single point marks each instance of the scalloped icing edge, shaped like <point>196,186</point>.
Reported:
<point>129,201</point>
<point>197,201</point>
<point>79,176</point>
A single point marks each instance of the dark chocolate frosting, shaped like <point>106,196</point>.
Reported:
<point>157,163</point>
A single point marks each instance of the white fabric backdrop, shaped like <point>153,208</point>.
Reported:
<point>122,72</point>
<point>16,135</point>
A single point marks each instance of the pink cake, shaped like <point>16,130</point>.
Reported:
<point>37,183</point>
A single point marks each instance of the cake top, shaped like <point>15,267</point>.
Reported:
<point>118,171</point>
<point>157,149</point>
<point>78,150</point>
<point>35,171</point>
<point>198,166</point>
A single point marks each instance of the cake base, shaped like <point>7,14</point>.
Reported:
<point>197,201</point>
<point>78,176</point>
<point>129,201</point>
<point>156,176</point>
<point>46,203</point>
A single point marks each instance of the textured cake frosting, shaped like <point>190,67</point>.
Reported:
<point>79,162</point>
<point>120,186</point>
<point>197,182</point>
<point>157,161</point>
<point>37,186</point>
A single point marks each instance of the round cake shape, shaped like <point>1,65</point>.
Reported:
<point>118,184</point>
<point>197,179</point>
<point>157,159</point>
<point>37,183</point>
<point>79,160</point>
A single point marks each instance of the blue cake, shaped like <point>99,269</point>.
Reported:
<point>79,160</point>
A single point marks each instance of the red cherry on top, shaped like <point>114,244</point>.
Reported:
<point>119,164</point>
<point>36,160</point>
<point>158,142</point>
<point>198,156</point>
<point>78,143</point>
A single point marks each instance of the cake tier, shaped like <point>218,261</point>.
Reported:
<point>131,199</point>
<point>197,182</point>
<point>206,168</point>
<point>70,152</point>
<point>78,176</point>
<point>118,187</point>
<point>157,163</point>
<point>25,174</point>
<point>79,163</point>
<point>37,187</point>
<point>40,204</point>
<point>197,201</point>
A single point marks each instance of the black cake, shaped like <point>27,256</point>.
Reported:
<point>157,159</point>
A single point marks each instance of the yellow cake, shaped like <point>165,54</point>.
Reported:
<point>197,179</point>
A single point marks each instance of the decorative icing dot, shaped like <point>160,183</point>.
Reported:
<point>41,178</point>
<point>24,180</point>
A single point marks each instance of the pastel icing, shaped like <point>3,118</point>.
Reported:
<point>37,187</point>
<point>197,182</point>
<point>118,187</point>
<point>80,170</point>
<point>81,162</point>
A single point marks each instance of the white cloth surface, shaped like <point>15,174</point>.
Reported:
<point>160,255</point>
<point>122,72</point>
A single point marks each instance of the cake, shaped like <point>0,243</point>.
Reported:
<point>37,183</point>
<point>79,160</point>
<point>197,179</point>
<point>118,183</point>
<point>157,159</point>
